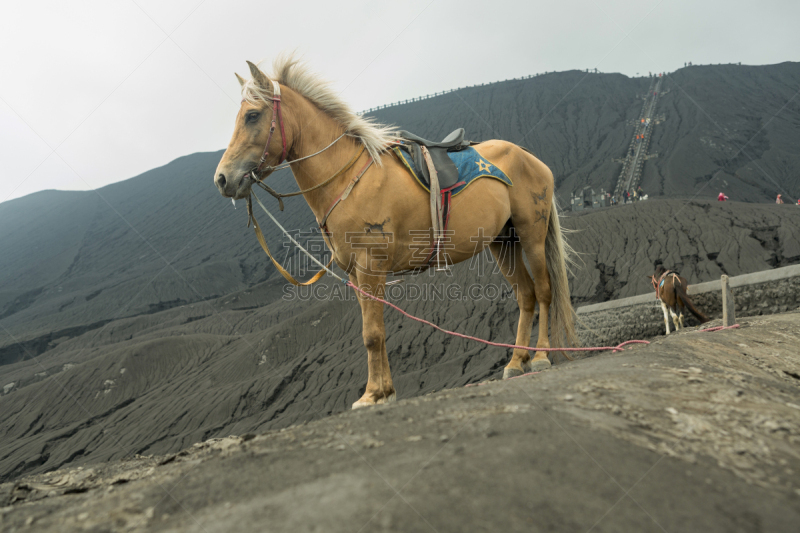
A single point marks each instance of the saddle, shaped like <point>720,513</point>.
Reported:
<point>439,174</point>
<point>657,284</point>
<point>453,140</point>
<point>445,168</point>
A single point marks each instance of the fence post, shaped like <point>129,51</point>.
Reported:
<point>728,303</point>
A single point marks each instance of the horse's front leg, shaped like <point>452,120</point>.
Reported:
<point>379,382</point>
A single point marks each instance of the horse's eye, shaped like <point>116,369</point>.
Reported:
<point>252,117</point>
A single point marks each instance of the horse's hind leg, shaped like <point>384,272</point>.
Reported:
<point>675,320</point>
<point>532,233</point>
<point>509,259</point>
<point>666,315</point>
<point>679,308</point>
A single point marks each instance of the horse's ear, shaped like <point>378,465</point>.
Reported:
<point>259,77</point>
<point>241,79</point>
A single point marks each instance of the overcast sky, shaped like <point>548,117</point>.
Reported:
<point>93,92</point>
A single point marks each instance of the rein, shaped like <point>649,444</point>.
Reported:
<point>289,163</point>
<point>260,235</point>
<point>279,195</point>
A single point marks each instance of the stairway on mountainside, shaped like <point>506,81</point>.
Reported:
<point>637,152</point>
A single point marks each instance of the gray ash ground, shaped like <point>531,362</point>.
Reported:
<point>695,432</point>
<point>251,361</point>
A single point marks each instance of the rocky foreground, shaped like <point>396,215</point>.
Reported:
<point>699,431</point>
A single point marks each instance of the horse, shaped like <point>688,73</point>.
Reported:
<point>671,291</point>
<point>342,160</point>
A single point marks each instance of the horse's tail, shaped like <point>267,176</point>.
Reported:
<point>558,254</point>
<point>680,292</point>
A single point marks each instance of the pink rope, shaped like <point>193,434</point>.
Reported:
<point>500,344</point>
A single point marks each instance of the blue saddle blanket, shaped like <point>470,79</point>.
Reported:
<point>470,164</point>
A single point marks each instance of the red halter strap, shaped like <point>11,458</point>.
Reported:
<point>657,283</point>
<point>276,117</point>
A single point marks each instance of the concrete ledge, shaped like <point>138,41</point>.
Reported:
<point>754,278</point>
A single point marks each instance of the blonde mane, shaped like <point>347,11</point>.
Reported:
<point>293,73</point>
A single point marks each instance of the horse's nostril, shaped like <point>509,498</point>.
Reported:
<point>221,180</point>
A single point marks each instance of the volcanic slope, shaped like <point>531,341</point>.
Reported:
<point>267,357</point>
<point>728,128</point>
<point>73,260</point>
<point>702,240</point>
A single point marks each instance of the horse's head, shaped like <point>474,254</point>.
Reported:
<point>654,278</point>
<point>235,172</point>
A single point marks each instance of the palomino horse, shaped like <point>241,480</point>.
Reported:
<point>671,291</point>
<point>332,150</point>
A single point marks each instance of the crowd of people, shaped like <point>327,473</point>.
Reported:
<point>638,194</point>
<point>779,200</point>
<point>629,197</point>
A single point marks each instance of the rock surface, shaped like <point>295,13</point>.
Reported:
<point>695,432</point>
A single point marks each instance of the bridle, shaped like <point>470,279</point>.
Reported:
<point>277,120</point>
<point>276,116</point>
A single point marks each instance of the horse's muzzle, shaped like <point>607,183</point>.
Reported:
<point>235,188</point>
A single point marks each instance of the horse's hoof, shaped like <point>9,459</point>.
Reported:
<point>537,365</point>
<point>509,373</point>
<point>367,403</point>
<point>362,403</point>
<point>388,399</point>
